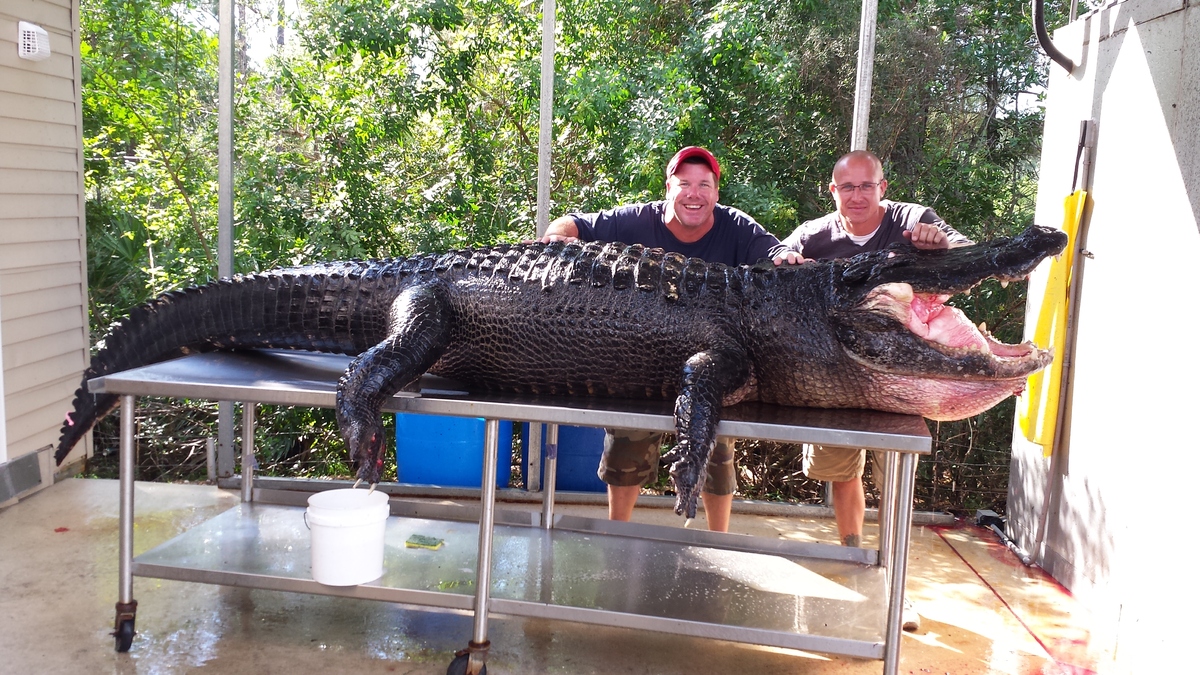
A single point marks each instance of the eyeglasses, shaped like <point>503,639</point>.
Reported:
<point>851,188</point>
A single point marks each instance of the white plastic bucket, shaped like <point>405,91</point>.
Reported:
<point>347,535</point>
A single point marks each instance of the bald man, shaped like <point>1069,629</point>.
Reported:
<point>863,221</point>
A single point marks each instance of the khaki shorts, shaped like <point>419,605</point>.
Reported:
<point>631,458</point>
<point>839,464</point>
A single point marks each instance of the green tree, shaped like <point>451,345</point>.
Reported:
<point>148,90</point>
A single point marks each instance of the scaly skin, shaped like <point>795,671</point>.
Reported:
<point>602,320</point>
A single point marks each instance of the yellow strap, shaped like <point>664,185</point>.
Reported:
<point>1037,408</point>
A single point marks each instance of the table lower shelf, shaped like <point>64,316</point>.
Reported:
<point>812,604</point>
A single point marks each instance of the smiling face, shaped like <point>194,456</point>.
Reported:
<point>860,209</point>
<point>691,196</point>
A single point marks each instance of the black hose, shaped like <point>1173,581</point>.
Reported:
<point>1039,27</point>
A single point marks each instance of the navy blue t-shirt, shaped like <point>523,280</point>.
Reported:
<point>735,237</point>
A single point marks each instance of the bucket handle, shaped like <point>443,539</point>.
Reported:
<point>306,525</point>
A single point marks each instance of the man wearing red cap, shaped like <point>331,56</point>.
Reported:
<point>691,222</point>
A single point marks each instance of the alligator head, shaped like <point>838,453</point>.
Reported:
<point>920,355</point>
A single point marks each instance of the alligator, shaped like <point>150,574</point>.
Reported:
<point>610,320</point>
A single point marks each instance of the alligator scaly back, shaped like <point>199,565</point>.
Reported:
<point>346,307</point>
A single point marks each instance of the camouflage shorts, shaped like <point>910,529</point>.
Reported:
<point>631,458</point>
<point>840,464</point>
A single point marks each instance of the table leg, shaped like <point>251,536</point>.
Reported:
<point>248,463</point>
<point>549,474</point>
<point>477,651</point>
<point>887,508</point>
<point>899,562</point>
<point>126,606</point>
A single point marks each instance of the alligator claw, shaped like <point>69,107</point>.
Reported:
<point>687,510</point>
<point>671,456</point>
<point>685,474</point>
<point>365,441</point>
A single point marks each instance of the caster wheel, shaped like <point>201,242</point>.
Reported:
<point>124,635</point>
<point>459,666</point>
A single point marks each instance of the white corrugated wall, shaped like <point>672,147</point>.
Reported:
<point>1122,491</point>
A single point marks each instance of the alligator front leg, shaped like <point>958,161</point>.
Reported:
<point>419,333</point>
<point>710,379</point>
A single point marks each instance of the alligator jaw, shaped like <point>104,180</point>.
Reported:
<point>919,356</point>
<point>909,330</point>
<point>946,272</point>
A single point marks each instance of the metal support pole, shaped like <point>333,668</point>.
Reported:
<point>533,458</point>
<point>226,452</point>
<point>487,519</point>
<point>866,69</point>
<point>249,464</point>
<point>551,472</point>
<point>887,506</point>
<point>210,458</point>
<point>899,566</point>
<point>546,117</point>
<point>125,528</point>
<point>225,74</point>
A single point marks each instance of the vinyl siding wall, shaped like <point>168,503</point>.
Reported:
<point>43,283</point>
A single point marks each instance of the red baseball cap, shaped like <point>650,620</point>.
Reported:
<point>694,151</point>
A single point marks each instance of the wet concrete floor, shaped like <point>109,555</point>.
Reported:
<point>982,610</point>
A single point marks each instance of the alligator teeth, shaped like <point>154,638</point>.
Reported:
<point>1004,283</point>
<point>983,327</point>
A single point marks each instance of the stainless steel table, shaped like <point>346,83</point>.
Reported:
<point>814,597</point>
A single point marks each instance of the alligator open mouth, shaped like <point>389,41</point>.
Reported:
<point>970,351</point>
<point>897,321</point>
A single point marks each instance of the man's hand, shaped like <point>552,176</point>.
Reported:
<point>927,237</point>
<point>562,229</point>
<point>791,258</point>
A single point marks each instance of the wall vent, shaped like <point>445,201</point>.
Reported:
<point>19,475</point>
<point>33,43</point>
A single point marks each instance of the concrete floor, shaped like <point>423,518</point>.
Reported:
<point>983,612</point>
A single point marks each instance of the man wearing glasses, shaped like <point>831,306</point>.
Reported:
<point>863,221</point>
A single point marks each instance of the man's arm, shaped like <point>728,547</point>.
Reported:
<point>790,250</point>
<point>562,228</point>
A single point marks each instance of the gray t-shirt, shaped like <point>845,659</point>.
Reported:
<point>824,238</point>
<point>735,237</point>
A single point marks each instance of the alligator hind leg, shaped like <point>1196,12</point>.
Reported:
<point>710,378</point>
<point>419,333</point>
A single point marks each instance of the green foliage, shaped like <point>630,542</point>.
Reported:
<point>394,126</point>
<point>148,91</point>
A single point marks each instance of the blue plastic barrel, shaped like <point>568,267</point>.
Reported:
<point>448,451</point>
<point>579,450</point>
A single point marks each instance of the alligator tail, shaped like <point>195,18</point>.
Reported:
<point>323,308</point>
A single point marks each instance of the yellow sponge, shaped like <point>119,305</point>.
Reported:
<point>421,541</point>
